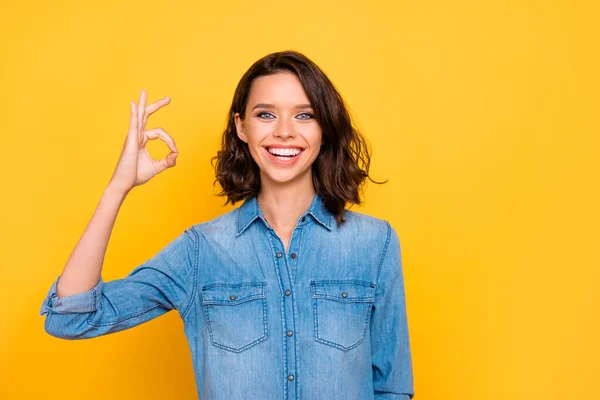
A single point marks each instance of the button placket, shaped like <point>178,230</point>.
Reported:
<point>285,262</point>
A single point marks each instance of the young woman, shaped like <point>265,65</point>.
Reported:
<point>288,296</point>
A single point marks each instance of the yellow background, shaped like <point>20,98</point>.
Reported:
<point>482,115</point>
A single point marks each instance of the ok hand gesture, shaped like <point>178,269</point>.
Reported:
<point>136,166</point>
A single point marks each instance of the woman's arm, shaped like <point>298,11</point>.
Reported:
<point>135,167</point>
<point>84,266</point>
<point>164,282</point>
<point>79,304</point>
<point>390,342</point>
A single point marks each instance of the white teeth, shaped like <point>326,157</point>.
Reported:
<point>287,151</point>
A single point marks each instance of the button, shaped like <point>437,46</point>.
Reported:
<point>290,377</point>
<point>344,294</point>
<point>232,297</point>
<point>288,292</point>
<point>290,333</point>
<point>279,255</point>
<point>293,255</point>
<point>303,219</point>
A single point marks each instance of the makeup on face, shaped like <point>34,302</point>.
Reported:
<point>282,133</point>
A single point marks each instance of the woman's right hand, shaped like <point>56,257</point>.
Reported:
<point>136,166</point>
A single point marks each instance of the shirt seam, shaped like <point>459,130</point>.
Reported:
<point>385,249</point>
<point>195,280</point>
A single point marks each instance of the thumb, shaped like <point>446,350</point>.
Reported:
<point>167,162</point>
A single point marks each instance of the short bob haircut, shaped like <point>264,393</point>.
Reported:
<point>342,165</point>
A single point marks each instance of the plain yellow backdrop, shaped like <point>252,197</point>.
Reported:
<point>482,115</point>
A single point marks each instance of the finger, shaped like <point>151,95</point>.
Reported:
<point>169,161</point>
<point>141,108</point>
<point>133,122</point>
<point>155,133</point>
<point>152,108</point>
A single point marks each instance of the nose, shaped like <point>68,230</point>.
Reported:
<point>284,128</point>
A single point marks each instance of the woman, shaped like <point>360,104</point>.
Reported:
<point>288,296</point>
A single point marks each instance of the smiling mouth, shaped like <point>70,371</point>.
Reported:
<point>284,153</point>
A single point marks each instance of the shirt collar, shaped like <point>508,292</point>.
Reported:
<point>249,211</point>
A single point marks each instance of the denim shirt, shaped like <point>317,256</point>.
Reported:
<point>324,320</point>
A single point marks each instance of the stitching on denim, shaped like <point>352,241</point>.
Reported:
<point>369,297</point>
<point>237,221</point>
<point>240,229</point>
<point>211,301</point>
<point>195,280</point>
<point>235,285</point>
<point>282,319</point>
<point>326,224</point>
<point>295,237</point>
<point>262,338</point>
<point>337,346</point>
<point>89,319</point>
<point>298,239</point>
<point>246,346</point>
<point>210,332</point>
<point>265,329</point>
<point>363,299</point>
<point>208,299</point>
<point>316,319</point>
<point>93,300</point>
<point>320,282</point>
<point>385,248</point>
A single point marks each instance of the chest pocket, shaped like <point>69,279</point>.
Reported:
<point>236,314</point>
<point>342,309</point>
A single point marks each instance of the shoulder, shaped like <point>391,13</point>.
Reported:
<point>366,228</point>
<point>222,225</point>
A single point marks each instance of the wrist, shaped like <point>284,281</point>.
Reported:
<point>115,193</point>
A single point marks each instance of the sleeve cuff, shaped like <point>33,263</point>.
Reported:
<point>78,303</point>
<point>392,396</point>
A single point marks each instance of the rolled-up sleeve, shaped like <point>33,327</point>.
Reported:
<point>164,282</point>
<point>390,344</point>
<point>85,302</point>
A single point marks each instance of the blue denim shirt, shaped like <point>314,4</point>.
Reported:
<point>324,320</point>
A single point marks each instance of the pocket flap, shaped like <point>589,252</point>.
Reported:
<point>343,290</point>
<point>228,294</point>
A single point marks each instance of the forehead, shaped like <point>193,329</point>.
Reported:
<point>281,88</point>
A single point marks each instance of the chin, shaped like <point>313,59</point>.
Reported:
<point>283,177</point>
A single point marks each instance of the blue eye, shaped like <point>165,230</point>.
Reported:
<point>264,113</point>
<point>268,115</point>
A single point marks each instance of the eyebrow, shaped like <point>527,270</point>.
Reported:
<point>264,105</point>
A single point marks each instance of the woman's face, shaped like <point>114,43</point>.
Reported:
<point>283,136</point>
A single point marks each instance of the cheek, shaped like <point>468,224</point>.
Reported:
<point>316,138</point>
<point>256,133</point>
<point>254,151</point>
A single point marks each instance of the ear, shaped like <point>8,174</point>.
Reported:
<point>239,126</point>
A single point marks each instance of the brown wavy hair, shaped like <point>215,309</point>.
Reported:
<point>342,165</point>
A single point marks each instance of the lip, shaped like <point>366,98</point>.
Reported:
<point>284,146</point>
<point>283,163</point>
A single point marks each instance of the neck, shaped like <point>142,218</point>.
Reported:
<point>283,204</point>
